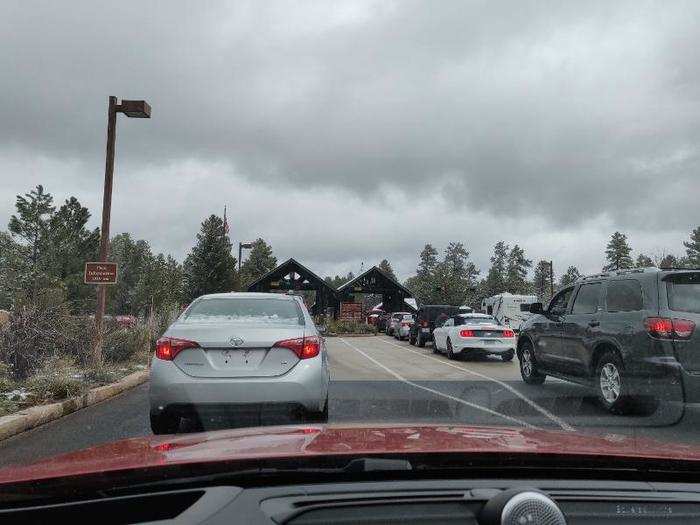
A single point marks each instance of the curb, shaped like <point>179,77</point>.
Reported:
<point>34,416</point>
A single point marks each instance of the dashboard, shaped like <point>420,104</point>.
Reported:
<point>479,502</point>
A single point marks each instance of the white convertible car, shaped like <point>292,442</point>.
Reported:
<point>474,334</point>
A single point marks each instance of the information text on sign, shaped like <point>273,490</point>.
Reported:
<point>100,273</point>
<point>350,311</point>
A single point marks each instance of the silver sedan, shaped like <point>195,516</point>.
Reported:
<point>254,355</point>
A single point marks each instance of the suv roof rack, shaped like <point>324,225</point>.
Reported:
<point>680,268</point>
<point>594,276</point>
<point>618,272</point>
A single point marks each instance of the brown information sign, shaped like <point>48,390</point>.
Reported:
<point>350,311</point>
<point>100,273</point>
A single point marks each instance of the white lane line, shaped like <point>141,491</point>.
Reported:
<point>563,424</point>
<point>437,393</point>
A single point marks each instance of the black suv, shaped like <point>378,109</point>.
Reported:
<point>426,316</point>
<point>629,334</point>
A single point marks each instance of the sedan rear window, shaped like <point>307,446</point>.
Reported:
<point>684,292</point>
<point>244,310</point>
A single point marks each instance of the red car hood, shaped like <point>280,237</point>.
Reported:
<point>333,440</point>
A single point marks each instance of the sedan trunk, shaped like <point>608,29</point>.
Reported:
<point>230,350</point>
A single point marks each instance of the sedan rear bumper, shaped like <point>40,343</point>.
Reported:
<point>306,385</point>
<point>467,345</point>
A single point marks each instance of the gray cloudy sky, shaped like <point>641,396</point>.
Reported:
<point>344,132</point>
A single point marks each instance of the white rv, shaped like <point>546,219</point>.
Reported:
<point>505,308</point>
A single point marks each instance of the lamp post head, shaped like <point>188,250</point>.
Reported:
<point>135,108</point>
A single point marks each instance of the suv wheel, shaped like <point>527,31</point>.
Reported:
<point>411,339</point>
<point>610,383</point>
<point>528,368</point>
<point>419,340</point>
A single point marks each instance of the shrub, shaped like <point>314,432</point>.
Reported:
<point>102,375</point>
<point>124,344</point>
<point>40,330</point>
<point>350,327</point>
<point>59,378</point>
<point>6,382</point>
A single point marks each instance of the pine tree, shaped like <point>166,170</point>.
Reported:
<point>541,281</point>
<point>692,249</point>
<point>69,245</point>
<point>496,278</point>
<point>428,261</point>
<point>424,285</point>
<point>30,227</point>
<point>571,276</point>
<point>455,277</point>
<point>210,267</point>
<point>643,261</point>
<point>11,278</point>
<point>516,271</point>
<point>385,266</point>
<point>132,258</point>
<point>259,262</point>
<point>617,253</point>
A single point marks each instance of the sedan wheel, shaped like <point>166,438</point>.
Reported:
<point>450,353</point>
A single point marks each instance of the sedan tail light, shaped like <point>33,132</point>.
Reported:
<point>466,333</point>
<point>508,333</point>
<point>663,328</point>
<point>168,347</point>
<point>303,347</point>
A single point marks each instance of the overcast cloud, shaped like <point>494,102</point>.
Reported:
<point>346,132</point>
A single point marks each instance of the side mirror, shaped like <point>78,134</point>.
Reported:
<point>536,308</point>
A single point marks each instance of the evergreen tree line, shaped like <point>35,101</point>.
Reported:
<point>46,246</point>
<point>454,279</point>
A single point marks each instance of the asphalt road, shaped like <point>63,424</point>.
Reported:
<point>378,379</point>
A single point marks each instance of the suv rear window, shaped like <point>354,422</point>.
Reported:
<point>624,296</point>
<point>684,292</point>
<point>244,310</point>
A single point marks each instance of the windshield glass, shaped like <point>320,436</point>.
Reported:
<point>243,311</point>
<point>221,217</point>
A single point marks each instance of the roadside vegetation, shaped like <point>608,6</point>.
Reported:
<point>349,327</point>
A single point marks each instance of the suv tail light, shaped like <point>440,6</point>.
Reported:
<point>664,328</point>
<point>168,347</point>
<point>508,333</point>
<point>466,333</point>
<point>424,324</point>
<point>303,347</point>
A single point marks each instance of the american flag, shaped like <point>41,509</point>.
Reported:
<point>225,222</point>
